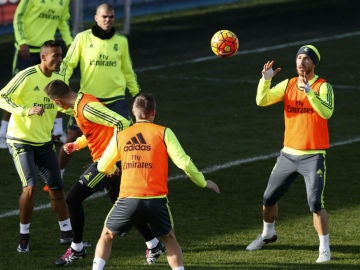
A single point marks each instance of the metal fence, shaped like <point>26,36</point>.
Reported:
<point>86,13</point>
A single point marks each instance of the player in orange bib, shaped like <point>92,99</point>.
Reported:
<point>308,104</point>
<point>144,149</point>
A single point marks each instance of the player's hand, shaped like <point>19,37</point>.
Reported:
<point>303,83</point>
<point>212,185</point>
<point>70,148</point>
<point>116,172</point>
<point>37,110</point>
<point>24,52</point>
<point>268,72</point>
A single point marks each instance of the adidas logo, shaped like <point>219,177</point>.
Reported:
<point>87,176</point>
<point>137,143</point>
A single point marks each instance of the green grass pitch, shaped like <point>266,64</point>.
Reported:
<point>210,104</point>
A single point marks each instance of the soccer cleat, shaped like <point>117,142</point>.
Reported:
<point>70,256</point>
<point>153,254</point>
<point>66,237</point>
<point>46,188</point>
<point>259,242</point>
<point>324,256</point>
<point>3,144</point>
<point>24,245</point>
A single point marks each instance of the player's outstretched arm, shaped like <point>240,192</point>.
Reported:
<point>268,72</point>
<point>212,185</point>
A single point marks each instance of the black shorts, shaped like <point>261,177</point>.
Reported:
<point>96,180</point>
<point>128,211</point>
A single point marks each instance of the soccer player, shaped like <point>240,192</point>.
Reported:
<point>34,23</point>
<point>308,104</point>
<point>98,124</point>
<point>144,149</point>
<point>105,68</point>
<point>30,141</point>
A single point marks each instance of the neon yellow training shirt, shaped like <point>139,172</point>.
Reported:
<point>23,92</point>
<point>36,21</point>
<point>323,105</point>
<point>105,65</point>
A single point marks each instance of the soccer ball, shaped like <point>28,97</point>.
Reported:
<point>224,43</point>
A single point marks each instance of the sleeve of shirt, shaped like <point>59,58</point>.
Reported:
<point>128,71</point>
<point>182,160</point>
<point>18,23</point>
<point>107,162</point>
<point>96,112</point>
<point>7,96</point>
<point>64,27</point>
<point>71,60</point>
<point>266,96</point>
<point>81,142</point>
<point>323,103</point>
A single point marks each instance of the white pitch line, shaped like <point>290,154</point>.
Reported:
<point>210,169</point>
<point>238,162</point>
<point>46,206</point>
<point>242,52</point>
<point>235,162</point>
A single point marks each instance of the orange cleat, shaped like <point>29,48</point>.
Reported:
<point>46,188</point>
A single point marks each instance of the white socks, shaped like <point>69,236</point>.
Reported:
<point>152,243</point>
<point>24,228</point>
<point>324,242</point>
<point>77,246</point>
<point>65,225</point>
<point>98,264</point>
<point>179,268</point>
<point>268,229</point>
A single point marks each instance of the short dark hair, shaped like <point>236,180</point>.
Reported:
<point>50,44</point>
<point>144,104</point>
<point>57,89</point>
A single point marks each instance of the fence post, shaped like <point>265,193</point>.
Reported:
<point>127,16</point>
<point>77,14</point>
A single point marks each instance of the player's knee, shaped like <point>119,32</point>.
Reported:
<point>29,193</point>
<point>169,236</point>
<point>72,199</point>
<point>269,200</point>
<point>69,199</point>
<point>56,195</point>
<point>314,206</point>
<point>108,234</point>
